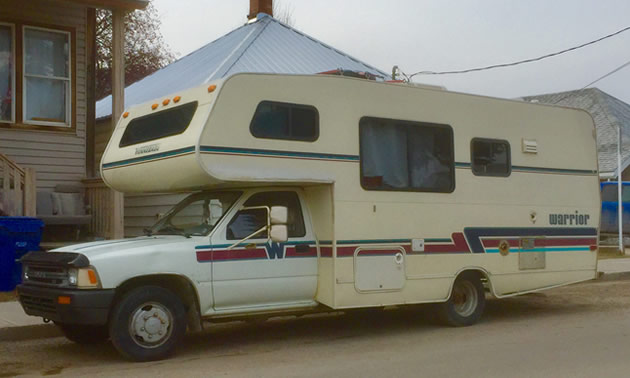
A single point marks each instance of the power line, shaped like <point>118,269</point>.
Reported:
<point>626,64</point>
<point>520,61</point>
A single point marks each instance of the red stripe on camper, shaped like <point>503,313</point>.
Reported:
<point>459,245</point>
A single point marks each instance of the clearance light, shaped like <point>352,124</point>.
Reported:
<point>177,98</point>
<point>166,102</point>
<point>212,88</point>
<point>64,300</point>
<point>126,115</point>
<point>154,106</point>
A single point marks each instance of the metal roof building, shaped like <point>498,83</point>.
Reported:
<point>262,45</point>
<point>609,114</point>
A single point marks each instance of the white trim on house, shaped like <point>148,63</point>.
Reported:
<point>67,80</point>
<point>13,99</point>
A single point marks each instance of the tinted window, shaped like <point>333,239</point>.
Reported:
<point>276,120</point>
<point>490,157</point>
<point>609,193</point>
<point>158,125</point>
<point>402,155</point>
<point>247,222</point>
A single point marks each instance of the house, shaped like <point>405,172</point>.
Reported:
<point>610,115</point>
<point>47,63</point>
<point>263,44</point>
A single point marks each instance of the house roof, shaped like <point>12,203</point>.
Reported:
<point>609,114</point>
<point>263,45</point>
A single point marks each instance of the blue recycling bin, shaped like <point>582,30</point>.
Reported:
<point>18,235</point>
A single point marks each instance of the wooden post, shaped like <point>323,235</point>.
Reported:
<point>90,92</point>
<point>118,106</point>
<point>30,192</point>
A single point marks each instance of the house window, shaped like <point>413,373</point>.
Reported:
<point>490,157</point>
<point>47,78</point>
<point>277,120</point>
<point>7,74</point>
<point>406,156</point>
<point>37,77</point>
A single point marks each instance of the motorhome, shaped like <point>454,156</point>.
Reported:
<point>323,193</point>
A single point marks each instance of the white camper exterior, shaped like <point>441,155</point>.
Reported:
<point>396,195</point>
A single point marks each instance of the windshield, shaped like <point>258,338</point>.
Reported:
<point>195,215</point>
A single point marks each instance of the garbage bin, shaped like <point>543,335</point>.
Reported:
<point>18,235</point>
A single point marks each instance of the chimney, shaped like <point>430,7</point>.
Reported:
<point>260,6</point>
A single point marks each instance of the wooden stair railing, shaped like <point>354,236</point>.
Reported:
<point>18,189</point>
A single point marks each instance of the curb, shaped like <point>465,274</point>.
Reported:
<point>617,276</point>
<point>30,332</point>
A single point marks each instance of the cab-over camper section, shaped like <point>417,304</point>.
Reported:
<point>418,184</point>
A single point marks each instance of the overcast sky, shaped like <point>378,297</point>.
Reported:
<point>438,35</point>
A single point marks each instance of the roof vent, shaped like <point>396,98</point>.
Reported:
<point>530,146</point>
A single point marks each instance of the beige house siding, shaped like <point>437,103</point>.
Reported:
<point>58,157</point>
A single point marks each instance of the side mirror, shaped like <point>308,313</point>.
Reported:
<point>279,233</point>
<point>279,215</point>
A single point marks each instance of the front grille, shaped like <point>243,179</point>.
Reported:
<point>38,304</point>
<point>46,275</point>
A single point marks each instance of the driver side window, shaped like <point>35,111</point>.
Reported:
<point>246,222</point>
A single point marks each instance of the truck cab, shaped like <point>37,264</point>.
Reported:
<point>213,254</point>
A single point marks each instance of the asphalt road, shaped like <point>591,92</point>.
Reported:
<point>576,331</point>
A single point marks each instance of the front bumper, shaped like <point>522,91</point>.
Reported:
<point>88,307</point>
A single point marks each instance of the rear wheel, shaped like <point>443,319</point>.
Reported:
<point>148,323</point>
<point>466,303</point>
<point>83,334</point>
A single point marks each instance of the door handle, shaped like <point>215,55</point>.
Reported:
<point>302,248</point>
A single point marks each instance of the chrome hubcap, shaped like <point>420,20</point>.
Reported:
<point>465,298</point>
<point>150,325</point>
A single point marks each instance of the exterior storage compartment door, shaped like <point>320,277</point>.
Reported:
<point>379,268</point>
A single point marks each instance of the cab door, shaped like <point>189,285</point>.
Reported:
<point>258,273</point>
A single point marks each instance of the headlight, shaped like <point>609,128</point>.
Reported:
<point>84,278</point>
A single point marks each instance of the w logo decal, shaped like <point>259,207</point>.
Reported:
<point>275,250</point>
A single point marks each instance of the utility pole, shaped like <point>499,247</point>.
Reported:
<point>619,192</point>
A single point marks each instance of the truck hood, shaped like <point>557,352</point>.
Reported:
<point>95,250</point>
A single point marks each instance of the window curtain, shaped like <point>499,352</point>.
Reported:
<point>47,75</point>
<point>6,74</point>
<point>428,168</point>
<point>384,153</point>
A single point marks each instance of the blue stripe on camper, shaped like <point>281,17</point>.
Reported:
<point>312,156</point>
<point>474,234</point>
<point>278,153</point>
<point>146,158</point>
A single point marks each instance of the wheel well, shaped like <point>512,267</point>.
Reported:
<point>478,273</point>
<point>179,285</point>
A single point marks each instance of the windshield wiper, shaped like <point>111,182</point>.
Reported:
<point>148,231</point>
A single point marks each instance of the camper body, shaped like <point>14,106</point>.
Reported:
<point>394,195</point>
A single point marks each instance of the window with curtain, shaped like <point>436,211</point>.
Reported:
<point>7,102</point>
<point>403,155</point>
<point>47,74</point>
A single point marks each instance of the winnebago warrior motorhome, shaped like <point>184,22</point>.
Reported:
<point>318,193</point>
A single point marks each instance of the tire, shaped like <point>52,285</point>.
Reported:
<point>84,334</point>
<point>466,303</point>
<point>147,323</point>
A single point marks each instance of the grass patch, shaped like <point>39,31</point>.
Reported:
<point>8,296</point>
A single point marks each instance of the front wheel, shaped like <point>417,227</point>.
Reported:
<point>466,303</point>
<point>148,323</point>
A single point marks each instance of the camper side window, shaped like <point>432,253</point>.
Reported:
<point>277,120</point>
<point>490,157</point>
<point>406,156</point>
<point>158,125</point>
<point>246,222</point>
